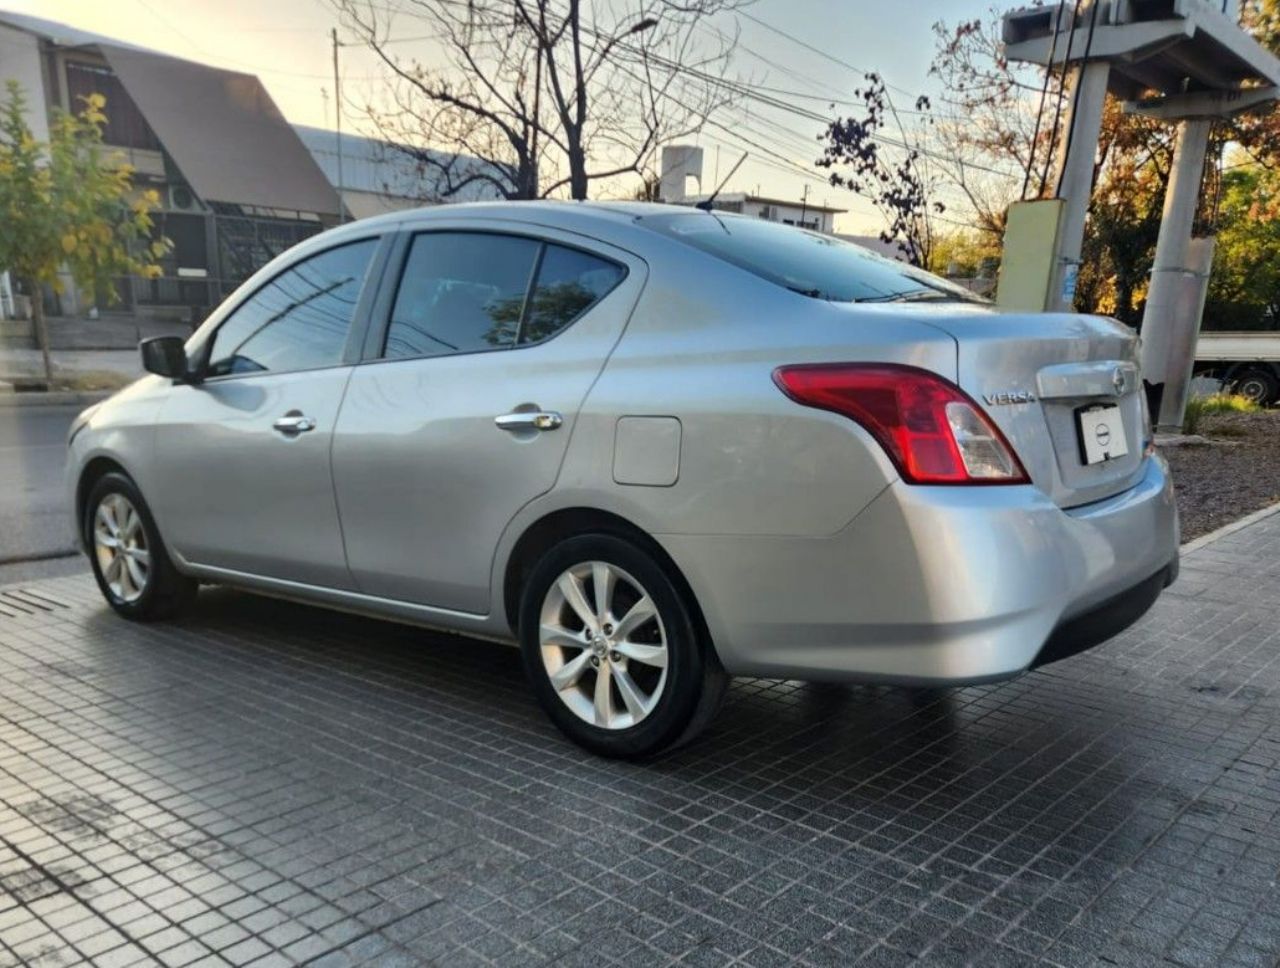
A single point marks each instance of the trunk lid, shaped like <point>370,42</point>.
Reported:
<point>1035,373</point>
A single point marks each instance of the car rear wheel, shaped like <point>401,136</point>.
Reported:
<point>129,561</point>
<point>612,649</point>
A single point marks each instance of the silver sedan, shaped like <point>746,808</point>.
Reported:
<point>656,447</point>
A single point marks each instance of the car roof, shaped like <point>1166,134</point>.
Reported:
<point>544,211</point>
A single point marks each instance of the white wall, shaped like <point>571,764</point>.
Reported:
<point>793,214</point>
<point>20,60</point>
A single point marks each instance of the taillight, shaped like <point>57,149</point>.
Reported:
<point>931,430</point>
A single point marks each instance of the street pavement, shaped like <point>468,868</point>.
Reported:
<point>269,784</point>
<point>17,363</point>
<point>34,522</point>
<point>108,344</point>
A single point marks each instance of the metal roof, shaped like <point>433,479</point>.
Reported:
<point>224,132</point>
<point>382,167</point>
<point>220,127</point>
<point>58,33</point>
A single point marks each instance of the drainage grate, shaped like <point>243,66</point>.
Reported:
<point>22,601</point>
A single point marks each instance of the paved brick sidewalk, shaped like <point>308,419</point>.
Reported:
<point>269,784</point>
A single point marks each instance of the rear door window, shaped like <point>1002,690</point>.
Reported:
<point>461,292</point>
<point>467,292</point>
<point>569,283</point>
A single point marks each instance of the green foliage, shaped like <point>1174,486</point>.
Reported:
<point>965,253</point>
<point>1200,407</point>
<point>1245,286</point>
<point>552,308</point>
<point>65,204</point>
<point>994,104</point>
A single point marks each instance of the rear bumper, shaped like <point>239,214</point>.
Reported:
<point>1076,635</point>
<point>936,585</point>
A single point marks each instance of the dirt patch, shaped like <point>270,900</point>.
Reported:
<point>1236,473</point>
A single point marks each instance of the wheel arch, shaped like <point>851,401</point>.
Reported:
<point>554,527</point>
<point>93,471</point>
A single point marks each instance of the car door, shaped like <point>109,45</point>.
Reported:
<point>244,478</point>
<point>491,341</point>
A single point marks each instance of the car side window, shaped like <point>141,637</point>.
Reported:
<point>297,321</point>
<point>569,283</point>
<point>462,292</point>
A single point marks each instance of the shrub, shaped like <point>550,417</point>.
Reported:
<point>1204,406</point>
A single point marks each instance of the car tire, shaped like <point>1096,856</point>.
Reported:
<point>1259,385</point>
<point>662,682</point>
<point>132,567</point>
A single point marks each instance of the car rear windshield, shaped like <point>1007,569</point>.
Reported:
<point>810,263</point>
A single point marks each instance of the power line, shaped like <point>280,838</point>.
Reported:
<point>816,50</point>
<point>1075,100</point>
<point>1044,94</point>
<point>766,97</point>
<point>779,104</point>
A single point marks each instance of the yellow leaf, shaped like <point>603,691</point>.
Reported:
<point>68,243</point>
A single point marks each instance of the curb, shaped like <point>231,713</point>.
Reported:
<point>40,556</point>
<point>56,398</point>
<point>1228,529</point>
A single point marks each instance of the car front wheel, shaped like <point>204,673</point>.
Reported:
<point>612,649</point>
<point>129,560</point>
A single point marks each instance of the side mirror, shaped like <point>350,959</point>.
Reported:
<point>165,356</point>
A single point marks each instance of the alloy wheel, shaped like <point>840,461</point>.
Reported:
<point>120,545</point>
<point>603,645</point>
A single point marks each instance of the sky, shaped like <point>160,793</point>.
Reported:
<point>287,44</point>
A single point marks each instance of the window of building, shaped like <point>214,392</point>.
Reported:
<point>464,292</point>
<point>126,127</point>
<point>297,321</point>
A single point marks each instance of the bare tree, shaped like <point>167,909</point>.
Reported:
<point>861,157</point>
<point>993,120</point>
<point>550,96</point>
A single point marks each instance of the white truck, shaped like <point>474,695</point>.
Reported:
<point>1247,363</point>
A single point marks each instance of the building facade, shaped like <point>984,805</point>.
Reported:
<point>819,218</point>
<point>236,184</point>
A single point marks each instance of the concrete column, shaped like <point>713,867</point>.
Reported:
<point>1171,320</point>
<point>1075,185</point>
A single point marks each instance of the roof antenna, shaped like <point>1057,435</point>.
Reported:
<point>707,203</point>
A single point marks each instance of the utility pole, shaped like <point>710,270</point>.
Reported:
<point>1175,299</point>
<point>804,204</point>
<point>1211,69</point>
<point>337,105</point>
<point>1087,86</point>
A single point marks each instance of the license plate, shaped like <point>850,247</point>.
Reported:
<point>1101,434</point>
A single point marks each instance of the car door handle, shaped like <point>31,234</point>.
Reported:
<point>293,423</point>
<point>529,420</point>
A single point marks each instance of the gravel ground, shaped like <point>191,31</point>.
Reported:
<point>1236,473</point>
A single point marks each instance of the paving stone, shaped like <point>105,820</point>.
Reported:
<point>263,783</point>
